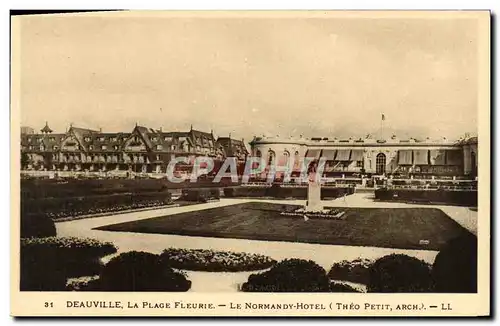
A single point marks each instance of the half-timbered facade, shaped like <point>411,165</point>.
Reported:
<point>141,150</point>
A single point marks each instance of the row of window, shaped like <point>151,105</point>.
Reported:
<point>51,139</point>
<point>115,147</point>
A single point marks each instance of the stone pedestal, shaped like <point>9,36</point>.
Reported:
<point>314,197</point>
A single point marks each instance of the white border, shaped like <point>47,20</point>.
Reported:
<point>187,4</point>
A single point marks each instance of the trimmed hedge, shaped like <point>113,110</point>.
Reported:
<point>462,198</point>
<point>290,275</point>
<point>37,225</point>
<point>215,261</point>
<point>455,267</point>
<point>400,273</point>
<point>356,271</point>
<point>278,191</point>
<point>201,195</point>
<point>141,271</point>
<point>46,263</point>
<point>54,188</point>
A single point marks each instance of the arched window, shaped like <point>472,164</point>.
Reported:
<point>286,159</point>
<point>380,163</point>
<point>271,157</point>
<point>296,160</point>
<point>258,153</point>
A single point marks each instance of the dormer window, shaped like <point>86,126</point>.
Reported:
<point>87,139</point>
<point>113,139</point>
<point>101,138</point>
<point>154,138</point>
<point>91,147</point>
<point>167,138</point>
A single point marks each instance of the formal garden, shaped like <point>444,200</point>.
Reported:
<point>402,228</point>
<point>51,263</point>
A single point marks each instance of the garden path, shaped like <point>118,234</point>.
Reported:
<point>324,255</point>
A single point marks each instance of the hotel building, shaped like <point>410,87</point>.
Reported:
<point>143,149</point>
<point>405,158</point>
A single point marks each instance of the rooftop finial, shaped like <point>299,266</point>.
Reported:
<point>191,127</point>
<point>46,129</point>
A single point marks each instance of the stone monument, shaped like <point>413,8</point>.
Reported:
<point>313,203</point>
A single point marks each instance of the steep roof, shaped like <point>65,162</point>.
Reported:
<point>233,147</point>
<point>46,129</point>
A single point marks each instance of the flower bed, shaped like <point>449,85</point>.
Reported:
<point>342,287</point>
<point>97,211</point>
<point>335,214</point>
<point>85,283</point>
<point>215,261</point>
<point>58,208</point>
<point>74,245</point>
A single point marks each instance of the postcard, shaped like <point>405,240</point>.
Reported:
<point>250,163</point>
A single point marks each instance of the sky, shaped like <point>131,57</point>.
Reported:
<point>328,77</point>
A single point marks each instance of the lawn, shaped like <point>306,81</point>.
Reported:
<point>401,228</point>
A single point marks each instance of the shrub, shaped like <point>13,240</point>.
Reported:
<point>455,267</point>
<point>200,194</point>
<point>141,271</point>
<point>229,192</point>
<point>215,261</point>
<point>399,273</point>
<point>37,225</point>
<point>41,273</point>
<point>46,263</point>
<point>353,271</point>
<point>341,287</point>
<point>290,275</point>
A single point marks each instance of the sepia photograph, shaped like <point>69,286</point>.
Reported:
<point>307,163</point>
